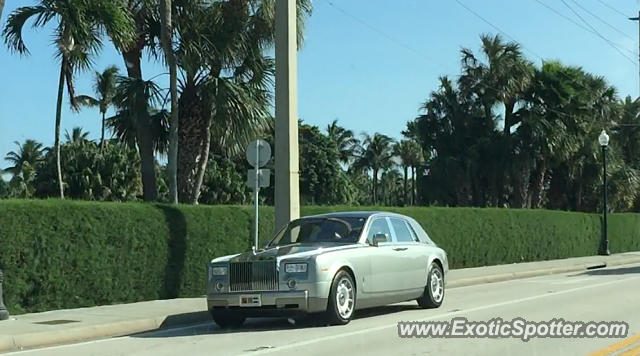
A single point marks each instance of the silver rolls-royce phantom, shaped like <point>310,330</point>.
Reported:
<point>331,264</point>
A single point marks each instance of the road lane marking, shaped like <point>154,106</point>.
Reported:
<point>449,314</point>
<point>617,346</point>
<point>633,352</point>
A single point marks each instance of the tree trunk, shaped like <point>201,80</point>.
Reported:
<point>375,185</point>
<point>56,144</point>
<point>405,198</point>
<point>145,142</point>
<point>488,110</point>
<point>202,163</point>
<point>147,163</point>
<point>1,7</point>
<point>520,181</point>
<point>190,139</point>
<point>414,187</point>
<point>508,113</point>
<point>102,136</point>
<point>537,184</point>
<point>132,59</point>
<point>578,196</point>
<point>172,164</point>
<point>478,190</point>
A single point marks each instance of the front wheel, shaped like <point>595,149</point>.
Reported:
<point>342,299</point>
<point>433,294</point>
<point>226,320</point>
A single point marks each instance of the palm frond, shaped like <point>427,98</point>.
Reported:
<point>87,101</point>
<point>15,24</point>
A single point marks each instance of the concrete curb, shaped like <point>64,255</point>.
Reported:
<point>99,331</point>
<point>539,272</point>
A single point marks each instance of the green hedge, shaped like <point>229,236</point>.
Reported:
<point>66,254</point>
<point>624,232</point>
<point>478,237</point>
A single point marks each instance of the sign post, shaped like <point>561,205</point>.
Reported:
<point>256,190</point>
<point>258,154</point>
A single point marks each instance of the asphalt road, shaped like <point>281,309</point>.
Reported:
<point>599,295</point>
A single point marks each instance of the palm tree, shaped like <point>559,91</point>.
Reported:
<point>133,98</point>
<point>29,153</point>
<point>146,29</point>
<point>1,7</point>
<point>104,86</point>
<point>136,100</point>
<point>415,158</point>
<point>76,135</point>
<point>401,150</point>
<point>546,136</point>
<point>628,133</point>
<point>344,140</point>
<point>410,155</point>
<point>79,24</point>
<point>377,156</point>
<point>226,88</point>
<point>25,162</point>
<point>390,190</point>
<point>502,78</point>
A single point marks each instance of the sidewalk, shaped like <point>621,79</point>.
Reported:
<point>70,325</point>
<point>65,326</point>
<point>490,274</point>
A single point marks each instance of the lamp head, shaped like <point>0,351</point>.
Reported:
<point>603,139</point>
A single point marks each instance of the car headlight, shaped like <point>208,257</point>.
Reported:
<point>295,267</point>
<point>218,271</point>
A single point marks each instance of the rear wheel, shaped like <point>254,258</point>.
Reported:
<point>342,299</point>
<point>227,320</point>
<point>433,294</point>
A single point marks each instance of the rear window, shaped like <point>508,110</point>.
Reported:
<point>402,230</point>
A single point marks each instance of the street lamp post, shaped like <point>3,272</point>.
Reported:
<point>4,313</point>
<point>603,139</point>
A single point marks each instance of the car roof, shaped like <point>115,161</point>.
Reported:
<point>351,214</point>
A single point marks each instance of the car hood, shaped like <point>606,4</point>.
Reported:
<point>287,251</point>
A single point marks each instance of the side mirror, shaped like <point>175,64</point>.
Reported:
<point>378,238</point>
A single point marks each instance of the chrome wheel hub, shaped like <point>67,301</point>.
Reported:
<point>345,298</point>
<point>437,285</point>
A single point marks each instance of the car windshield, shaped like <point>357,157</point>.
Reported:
<point>318,230</point>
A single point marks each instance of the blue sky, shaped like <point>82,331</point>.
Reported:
<point>368,63</point>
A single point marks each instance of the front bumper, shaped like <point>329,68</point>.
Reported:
<point>273,303</point>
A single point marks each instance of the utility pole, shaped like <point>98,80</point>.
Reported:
<point>638,19</point>
<point>287,193</point>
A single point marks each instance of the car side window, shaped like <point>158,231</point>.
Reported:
<point>379,226</point>
<point>414,234</point>
<point>403,234</point>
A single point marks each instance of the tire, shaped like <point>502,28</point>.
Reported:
<point>342,299</point>
<point>226,320</point>
<point>433,294</point>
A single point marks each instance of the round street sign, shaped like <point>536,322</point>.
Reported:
<point>258,153</point>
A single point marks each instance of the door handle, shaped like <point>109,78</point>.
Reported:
<point>400,248</point>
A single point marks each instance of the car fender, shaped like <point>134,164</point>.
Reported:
<point>327,273</point>
<point>441,256</point>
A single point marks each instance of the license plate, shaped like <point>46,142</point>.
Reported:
<point>250,300</point>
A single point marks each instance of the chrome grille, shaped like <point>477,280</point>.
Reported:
<point>253,276</point>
